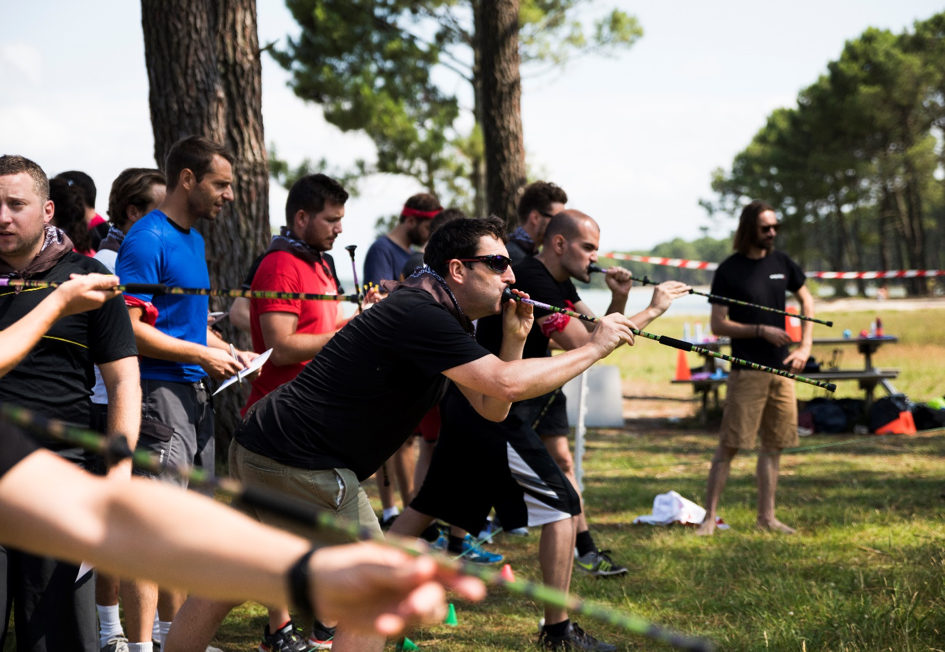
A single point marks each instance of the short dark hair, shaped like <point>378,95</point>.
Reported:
<point>11,164</point>
<point>83,183</point>
<point>460,239</point>
<point>446,216</point>
<point>538,196</point>
<point>566,223</point>
<point>132,188</point>
<point>310,193</point>
<point>748,225</point>
<point>194,153</point>
<point>70,213</point>
<point>422,201</point>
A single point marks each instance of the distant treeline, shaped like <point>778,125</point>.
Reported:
<point>857,169</point>
<point>704,248</point>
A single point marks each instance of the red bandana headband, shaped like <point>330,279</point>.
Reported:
<point>413,212</point>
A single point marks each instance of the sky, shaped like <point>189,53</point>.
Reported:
<point>632,139</point>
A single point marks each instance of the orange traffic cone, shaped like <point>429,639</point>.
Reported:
<point>904,425</point>
<point>682,366</point>
<point>792,324</point>
<point>507,573</point>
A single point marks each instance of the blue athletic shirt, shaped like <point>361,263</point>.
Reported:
<point>156,250</point>
<point>384,261</point>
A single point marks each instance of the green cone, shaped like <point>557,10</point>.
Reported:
<point>451,617</point>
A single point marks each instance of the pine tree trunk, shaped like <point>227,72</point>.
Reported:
<point>497,25</point>
<point>205,78</point>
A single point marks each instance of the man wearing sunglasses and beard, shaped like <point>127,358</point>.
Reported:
<point>525,459</point>
<point>757,402</point>
<point>350,408</point>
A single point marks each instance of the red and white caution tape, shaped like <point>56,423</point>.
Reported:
<point>669,262</point>
<point>699,264</point>
<point>892,273</point>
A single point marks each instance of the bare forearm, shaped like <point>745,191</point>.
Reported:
<point>153,343</point>
<point>299,347</point>
<point>18,339</point>
<point>618,303</point>
<point>734,329</point>
<point>523,379</point>
<point>642,319</point>
<point>120,529</point>
<point>124,409</point>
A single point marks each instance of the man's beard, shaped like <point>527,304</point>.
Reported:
<point>415,237</point>
<point>764,243</point>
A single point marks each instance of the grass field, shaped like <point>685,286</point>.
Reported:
<point>865,572</point>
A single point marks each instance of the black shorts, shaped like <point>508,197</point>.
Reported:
<point>478,464</point>
<point>547,415</point>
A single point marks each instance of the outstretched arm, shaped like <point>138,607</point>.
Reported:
<point>79,294</point>
<point>142,529</point>
<point>521,379</point>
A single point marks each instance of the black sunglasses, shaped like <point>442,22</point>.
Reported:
<point>496,262</point>
<point>764,229</point>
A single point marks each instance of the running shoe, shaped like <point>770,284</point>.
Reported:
<point>574,638</point>
<point>387,522</point>
<point>476,554</point>
<point>117,643</point>
<point>321,637</point>
<point>472,551</point>
<point>599,564</point>
<point>288,639</point>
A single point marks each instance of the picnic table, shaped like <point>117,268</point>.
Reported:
<point>868,378</point>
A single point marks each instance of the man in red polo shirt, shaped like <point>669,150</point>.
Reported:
<point>296,330</point>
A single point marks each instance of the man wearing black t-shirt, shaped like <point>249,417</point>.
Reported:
<point>571,242</point>
<point>757,401</point>
<point>356,403</point>
<point>54,608</point>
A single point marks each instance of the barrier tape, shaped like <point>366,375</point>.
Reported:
<point>699,264</point>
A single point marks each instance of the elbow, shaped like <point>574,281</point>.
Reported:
<point>510,391</point>
<point>497,416</point>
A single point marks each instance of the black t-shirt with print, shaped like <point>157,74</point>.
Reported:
<point>56,378</point>
<point>533,278</point>
<point>362,396</point>
<point>15,446</point>
<point>764,281</point>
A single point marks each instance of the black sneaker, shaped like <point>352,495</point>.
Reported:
<point>321,637</point>
<point>432,533</point>
<point>599,564</point>
<point>574,639</point>
<point>387,522</point>
<point>287,639</point>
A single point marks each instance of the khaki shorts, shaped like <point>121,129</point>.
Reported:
<point>759,402</point>
<point>334,490</point>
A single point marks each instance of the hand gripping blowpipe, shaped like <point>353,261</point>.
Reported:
<point>677,344</point>
<point>116,449</point>
<point>646,281</point>
<point>354,270</point>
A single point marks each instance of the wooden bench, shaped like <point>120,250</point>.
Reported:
<point>868,381</point>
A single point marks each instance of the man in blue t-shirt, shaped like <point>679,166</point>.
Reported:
<point>385,261</point>
<point>178,352</point>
